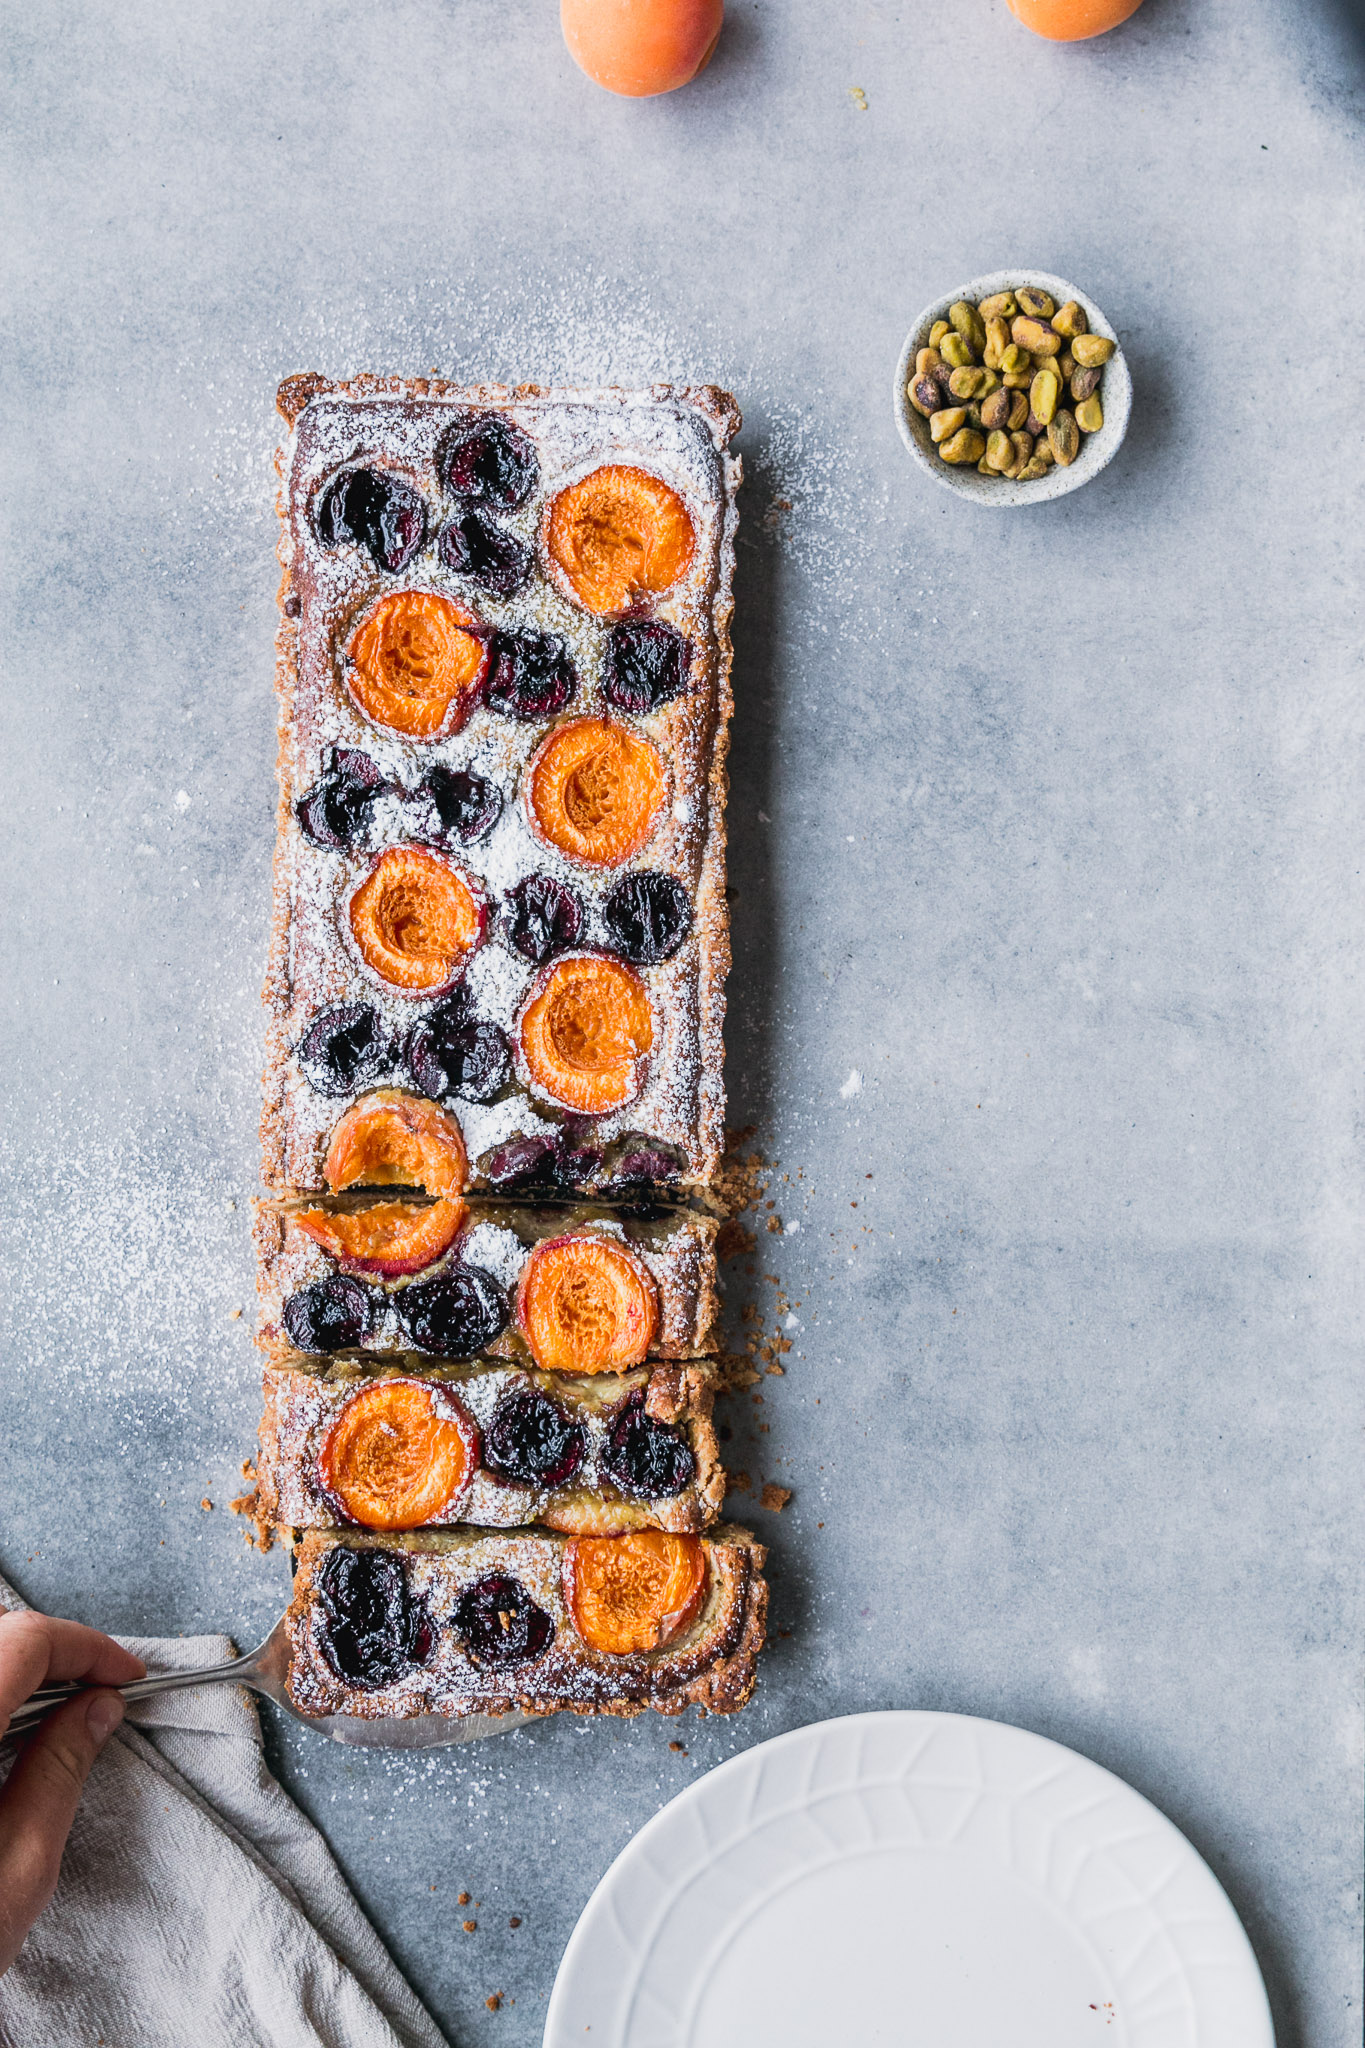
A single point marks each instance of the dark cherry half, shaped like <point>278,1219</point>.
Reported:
<point>457,1315</point>
<point>532,676</point>
<point>646,664</point>
<point>374,1630</point>
<point>331,1315</point>
<point>647,916</point>
<point>542,916</point>
<point>499,1622</point>
<point>531,1437</point>
<point>541,1165</point>
<point>344,1050</point>
<point>336,811</point>
<point>476,546</point>
<point>485,460</point>
<point>383,512</point>
<point>460,805</point>
<point>448,1052</point>
<point>648,1460</point>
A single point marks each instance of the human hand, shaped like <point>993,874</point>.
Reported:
<point>38,1804</point>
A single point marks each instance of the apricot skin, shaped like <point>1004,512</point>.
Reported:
<point>628,1594</point>
<point>420,663</point>
<point>1072,21</point>
<point>391,1139</point>
<point>415,920</point>
<point>594,791</point>
<point>617,538</point>
<point>389,1239</point>
<point>639,48</point>
<point>398,1454</point>
<point>587,1032</point>
<point>586,1304</point>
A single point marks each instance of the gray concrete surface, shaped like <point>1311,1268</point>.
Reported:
<point>1046,827</point>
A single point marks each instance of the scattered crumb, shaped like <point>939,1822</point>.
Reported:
<point>495,2002</point>
<point>734,1241</point>
<point>859,98</point>
<point>775,1497</point>
<point>677,1749</point>
<point>515,1920</point>
<point>462,1899</point>
<point>470,1926</point>
<point>737,1482</point>
<point>779,1369</point>
<point>206,1503</point>
<point>775,1225</point>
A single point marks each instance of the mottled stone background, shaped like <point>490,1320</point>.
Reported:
<point>1045,830</point>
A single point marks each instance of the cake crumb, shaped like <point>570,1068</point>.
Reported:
<point>775,1497</point>
<point>734,1241</point>
<point>737,1482</point>
<point>236,1316</point>
<point>494,2003</point>
<point>677,1749</point>
<point>775,1225</point>
<point>463,1899</point>
<point>206,1503</point>
<point>778,1369</point>
<point>515,1920</point>
<point>470,1926</point>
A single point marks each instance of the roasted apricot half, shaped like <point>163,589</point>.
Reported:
<point>619,537</point>
<point>634,1592</point>
<point>415,920</point>
<point>586,1304</point>
<point>594,790</point>
<point>388,1239</point>
<point>398,1454</point>
<point>389,1139</point>
<point>419,663</point>
<point>587,1032</point>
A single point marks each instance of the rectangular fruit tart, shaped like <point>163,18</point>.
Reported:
<point>577,1289</point>
<point>494,1446</point>
<point>500,932</point>
<point>457,1623</point>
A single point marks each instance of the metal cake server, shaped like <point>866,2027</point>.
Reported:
<point>264,1670</point>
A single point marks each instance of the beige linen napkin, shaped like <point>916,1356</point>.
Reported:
<point>197,1904</point>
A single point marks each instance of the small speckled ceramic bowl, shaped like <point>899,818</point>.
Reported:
<point>1116,395</point>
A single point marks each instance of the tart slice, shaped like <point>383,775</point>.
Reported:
<point>503,671</point>
<point>416,1445</point>
<point>576,1290</point>
<point>389,1627</point>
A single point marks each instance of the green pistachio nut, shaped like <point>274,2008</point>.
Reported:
<point>938,332</point>
<point>999,451</point>
<point>1090,414</point>
<point>995,409</point>
<point>1092,351</point>
<point>954,350</point>
<point>1063,437</point>
<point>1070,318</point>
<point>969,324</point>
<point>999,306</point>
<point>945,422</point>
<point>1036,336</point>
<point>967,383</point>
<point>962,447</point>
<point>1084,383</point>
<point>1044,396</point>
<point>1019,411</point>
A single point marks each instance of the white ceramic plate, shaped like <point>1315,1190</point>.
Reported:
<point>1116,394</point>
<point>928,1880</point>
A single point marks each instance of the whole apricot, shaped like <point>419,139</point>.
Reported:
<point>1071,21</point>
<point>639,48</point>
